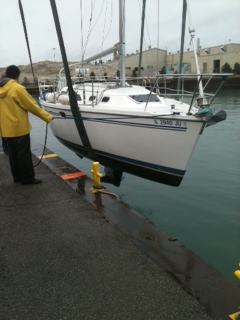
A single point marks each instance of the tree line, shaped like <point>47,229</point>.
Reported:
<point>227,68</point>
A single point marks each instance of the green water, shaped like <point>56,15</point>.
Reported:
<point>204,212</point>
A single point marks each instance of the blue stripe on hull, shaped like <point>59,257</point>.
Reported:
<point>118,121</point>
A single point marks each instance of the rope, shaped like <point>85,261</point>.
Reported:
<point>44,147</point>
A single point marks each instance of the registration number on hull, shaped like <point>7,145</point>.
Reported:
<point>172,123</point>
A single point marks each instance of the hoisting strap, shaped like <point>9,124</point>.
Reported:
<point>72,97</point>
<point>26,36</point>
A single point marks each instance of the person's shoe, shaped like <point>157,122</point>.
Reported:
<point>34,181</point>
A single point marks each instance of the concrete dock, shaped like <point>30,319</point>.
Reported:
<point>69,254</point>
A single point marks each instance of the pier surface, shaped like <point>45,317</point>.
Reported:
<point>65,256</point>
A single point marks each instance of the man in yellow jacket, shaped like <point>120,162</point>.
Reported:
<point>15,103</point>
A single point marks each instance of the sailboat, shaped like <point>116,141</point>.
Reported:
<point>124,126</point>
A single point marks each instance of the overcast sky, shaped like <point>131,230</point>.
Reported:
<point>216,23</point>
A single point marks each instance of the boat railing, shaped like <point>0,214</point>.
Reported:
<point>48,86</point>
<point>178,86</point>
<point>184,86</point>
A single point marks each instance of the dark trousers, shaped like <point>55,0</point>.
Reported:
<point>4,146</point>
<point>20,158</point>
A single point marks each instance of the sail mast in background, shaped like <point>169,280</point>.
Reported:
<point>122,41</point>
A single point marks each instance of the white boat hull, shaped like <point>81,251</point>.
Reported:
<point>147,130</point>
<point>154,147</point>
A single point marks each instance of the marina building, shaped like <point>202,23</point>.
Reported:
<point>210,60</point>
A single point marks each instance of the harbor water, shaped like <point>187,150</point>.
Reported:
<point>204,212</point>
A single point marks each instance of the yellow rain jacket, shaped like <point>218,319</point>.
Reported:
<point>15,103</point>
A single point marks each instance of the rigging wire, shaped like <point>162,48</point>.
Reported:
<point>146,23</point>
<point>26,37</point>
<point>90,29</point>
<point>104,26</point>
<point>109,28</point>
<point>81,20</point>
<point>30,57</point>
<point>189,14</point>
<point>144,38</point>
<point>158,36</point>
<point>192,35</point>
<point>148,33</point>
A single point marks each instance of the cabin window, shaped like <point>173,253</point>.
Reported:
<point>105,99</point>
<point>145,98</point>
<point>92,98</point>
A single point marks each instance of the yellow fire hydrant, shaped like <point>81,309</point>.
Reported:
<point>96,175</point>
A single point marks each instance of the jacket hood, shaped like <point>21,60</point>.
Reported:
<point>4,89</point>
<point>3,81</point>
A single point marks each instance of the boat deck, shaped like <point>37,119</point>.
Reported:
<point>69,255</point>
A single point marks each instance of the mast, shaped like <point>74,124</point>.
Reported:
<point>192,34</point>
<point>184,11</point>
<point>122,41</point>
<point>201,99</point>
<point>191,30</point>
<point>141,40</point>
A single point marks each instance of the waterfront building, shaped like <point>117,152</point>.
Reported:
<point>154,60</point>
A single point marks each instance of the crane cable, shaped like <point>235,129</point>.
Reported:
<point>72,96</point>
<point>34,79</point>
<point>26,36</point>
